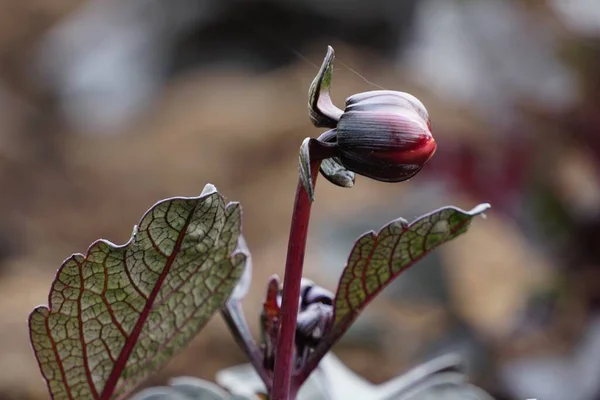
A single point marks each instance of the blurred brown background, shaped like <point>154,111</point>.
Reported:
<point>108,106</point>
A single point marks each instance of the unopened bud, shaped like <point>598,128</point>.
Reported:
<point>384,135</point>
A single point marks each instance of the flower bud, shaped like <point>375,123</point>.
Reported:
<point>384,135</point>
<point>315,313</point>
<point>312,294</point>
<point>312,324</point>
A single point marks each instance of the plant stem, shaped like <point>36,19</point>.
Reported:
<point>234,317</point>
<point>291,291</point>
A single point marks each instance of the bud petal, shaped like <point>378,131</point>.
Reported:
<point>385,99</point>
<point>312,324</point>
<point>316,294</point>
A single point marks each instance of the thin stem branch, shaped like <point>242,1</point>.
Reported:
<point>291,290</point>
<point>234,317</point>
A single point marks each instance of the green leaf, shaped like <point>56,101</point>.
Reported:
<point>378,258</point>
<point>121,312</point>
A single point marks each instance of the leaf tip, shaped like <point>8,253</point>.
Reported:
<point>38,314</point>
<point>41,309</point>
<point>480,209</point>
<point>233,205</point>
<point>208,189</point>
<point>330,51</point>
<point>403,223</point>
<point>274,281</point>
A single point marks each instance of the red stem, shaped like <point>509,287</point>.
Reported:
<point>291,292</point>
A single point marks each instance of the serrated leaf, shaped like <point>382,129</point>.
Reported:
<point>121,312</point>
<point>378,258</point>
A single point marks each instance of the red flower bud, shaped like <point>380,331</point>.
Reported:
<point>382,134</point>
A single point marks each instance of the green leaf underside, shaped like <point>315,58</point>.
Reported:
<point>377,259</point>
<point>121,312</point>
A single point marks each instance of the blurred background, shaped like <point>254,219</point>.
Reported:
<point>108,106</point>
